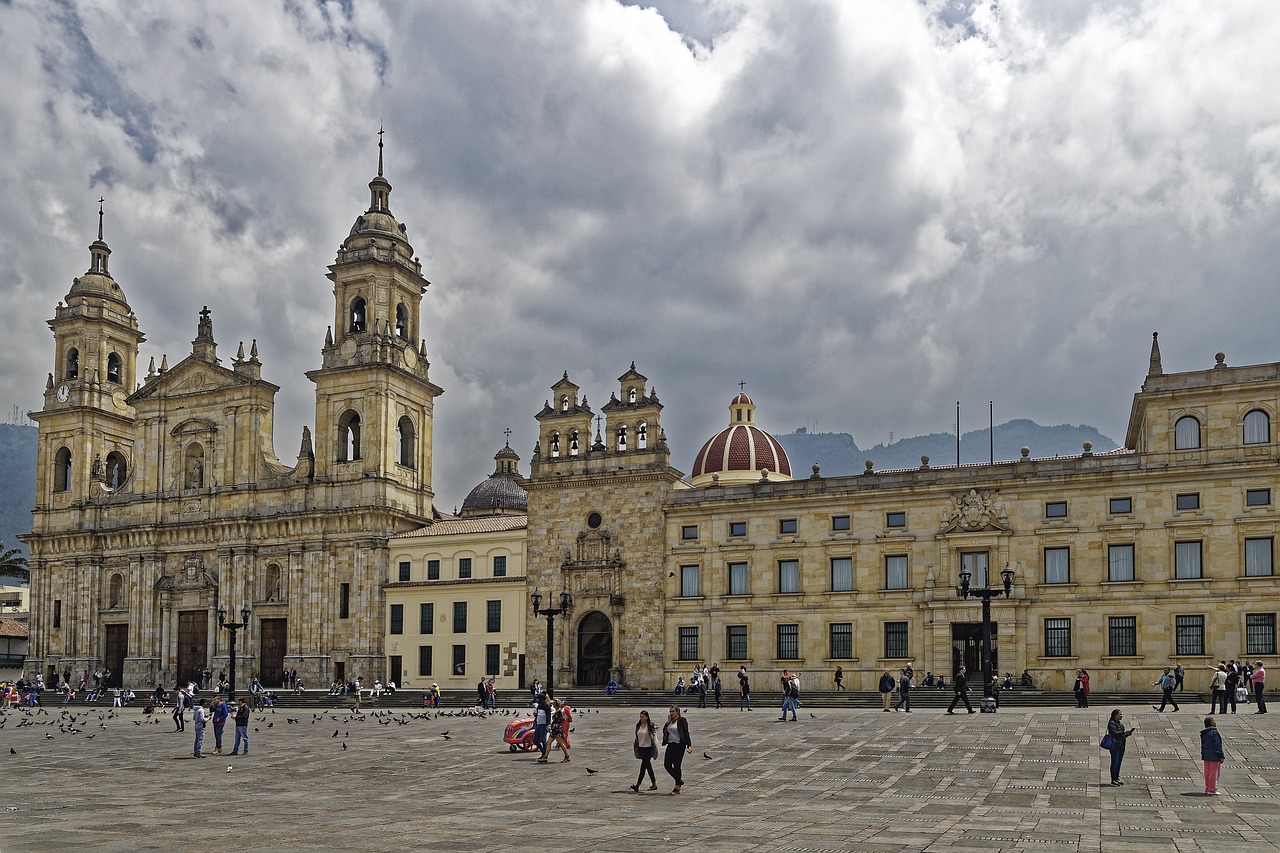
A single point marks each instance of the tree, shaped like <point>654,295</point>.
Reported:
<point>13,564</point>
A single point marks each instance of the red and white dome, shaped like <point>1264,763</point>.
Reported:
<point>739,452</point>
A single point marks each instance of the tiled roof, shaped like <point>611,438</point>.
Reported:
<point>493,524</point>
<point>14,628</point>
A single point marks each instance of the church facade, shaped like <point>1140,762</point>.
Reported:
<point>160,501</point>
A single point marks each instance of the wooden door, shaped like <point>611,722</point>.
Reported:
<point>273,640</point>
<point>116,650</point>
<point>193,645</point>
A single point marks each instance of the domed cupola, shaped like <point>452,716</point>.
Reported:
<point>377,226</point>
<point>97,282</point>
<point>739,452</point>
<point>502,493</point>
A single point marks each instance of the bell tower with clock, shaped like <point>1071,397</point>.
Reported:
<point>86,425</point>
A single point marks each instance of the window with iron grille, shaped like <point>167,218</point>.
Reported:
<point>500,567</point>
<point>689,581</point>
<point>464,567</point>
<point>433,570</point>
<point>459,660</point>
<point>404,570</point>
<point>788,576</point>
<point>1122,636</point>
<point>688,648</point>
<point>1189,635</point>
<point>895,571</point>
<point>492,658</point>
<point>788,642</point>
<point>895,640</point>
<point>841,574</point>
<point>426,618</point>
<point>738,579</point>
<point>493,618</point>
<point>736,642</point>
<point>842,640</point>
<point>1260,633</point>
<point>397,618</point>
<point>424,660</point>
<point>459,617</point>
<point>1057,638</point>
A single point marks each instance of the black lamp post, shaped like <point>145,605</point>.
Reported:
<point>566,601</point>
<point>986,593</point>
<point>232,627</point>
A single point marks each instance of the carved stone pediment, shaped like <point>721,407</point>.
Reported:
<point>975,511</point>
<point>593,549</point>
<point>192,576</point>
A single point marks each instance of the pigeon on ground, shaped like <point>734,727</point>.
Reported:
<point>707,757</point>
<point>335,733</point>
<point>344,746</point>
<point>230,768</point>
<point>13,751</point>
<point>592,772</point>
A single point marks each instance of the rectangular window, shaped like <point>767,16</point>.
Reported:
<point>492,658</point>
<point>688,648</point>
<point>344,601</point>
<point>1191,500</point>
<point>493,618</point>
<point>1057,565</point>
<point>737,528</point>
<point>1189,635</point>
<point>404,570</point>
<point>499,567</point>
<point>688,532</point>
<point>689,581</point>
<point>895,640</point>
<point>397,618</point>
<point>788,576</point>
<point>1120,562</point>
<point>1186,560</point>
<point>839,522</point>
<point>736,642</point>
<point>1258,557</point>
<point>1057,638</point>
<point>788,642</point>
<point>1260,633</point>
<point>842,640</point>
<point>1055,509</point>
<point>459,660</point>
<point>738,579</point>
<point>433,570</point>
<point>1122,636</point>
<point>426,618</point>
<point>895,571</point>
<point>1257,497</point>
<point>895,519</point>
<point>459,617</point>
<point>1120,506</point>
<point>424,660</point>
<point>464,567</point>
<point>57,613</point>
<point>787,525</point>
<point>841,574</point>
<point>975,563</point>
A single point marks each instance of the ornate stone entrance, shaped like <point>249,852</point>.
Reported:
<point>595,649</point>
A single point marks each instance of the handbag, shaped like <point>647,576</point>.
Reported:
<point>1107,741</point>
<point>1242,695</point>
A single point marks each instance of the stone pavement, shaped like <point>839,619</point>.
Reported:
<point>839,780</point>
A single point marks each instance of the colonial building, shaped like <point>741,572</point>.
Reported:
<point>456,597</point>
<point>160,502</point>
<point>1123,562</point>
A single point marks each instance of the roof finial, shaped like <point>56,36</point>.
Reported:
<point>507,433</point>
<point>1154,367</point>
<point>101,199</point>
<point>380,132</point>
<point>742,386</point>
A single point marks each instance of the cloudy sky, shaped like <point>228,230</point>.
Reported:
<point>865,210</point>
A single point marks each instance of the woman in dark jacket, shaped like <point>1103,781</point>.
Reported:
<point>1119,735</point>
<point>1211,754</point>
<point>675,737</point>
<point>646,749</point>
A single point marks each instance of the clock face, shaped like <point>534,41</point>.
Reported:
<point>63,393</point>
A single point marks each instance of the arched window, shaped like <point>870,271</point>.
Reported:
<point>115,591</point>
<point>555,444</point>
<point>622,437</point>
<point>1186,434</point>
<point>357,315</point>
<point>564,403</point>
<point>573,442</point>
<point>62,470</point>
<point>193,466</point>
<point>631,395</point>
<point>642,436</point>
<point>117,470</point>
<point>271,580</point>
<point>348,437</point>
<point>404,430</point>
<point>73,363</point>
<point>402,322</point>
<point>1257,427</point>
<point>113,368</point>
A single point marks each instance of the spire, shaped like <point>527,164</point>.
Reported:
<point>98,249</point>
<point>379,187</point>
<point>1153,367</point>
<point>380,132</point>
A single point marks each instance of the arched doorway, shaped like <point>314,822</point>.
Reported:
<point>595,650</point>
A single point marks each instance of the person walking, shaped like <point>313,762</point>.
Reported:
<point>839,678</point>
<point>561,718</point>
<point>788,696</point>
<point>242,728</point>
<point>541,725</point>
<point>1259,679</point>
<point>1116,731</point>
<point>1218,684</point>
<point>886,689</point>
<point>646,749</point>
<point>904,692</point>
<point>1211,754</point>
<point>180,700</point>
<point>199,717</point>
<point>675,737</point>
<point>961,687</point>
<point>718,689</point>
<point>219,715</point>
<point>1084,676</point>
<point>744,690</point>
<point>1078,690</point>
<point>1166,682</point>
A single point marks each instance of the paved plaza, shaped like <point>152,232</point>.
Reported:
<point>837,780</point>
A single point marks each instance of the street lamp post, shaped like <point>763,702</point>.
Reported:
<point>986,593</point>
<point>566,601</point>
<point>233,627</point>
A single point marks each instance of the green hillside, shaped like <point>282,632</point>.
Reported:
<point>18,486</point>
